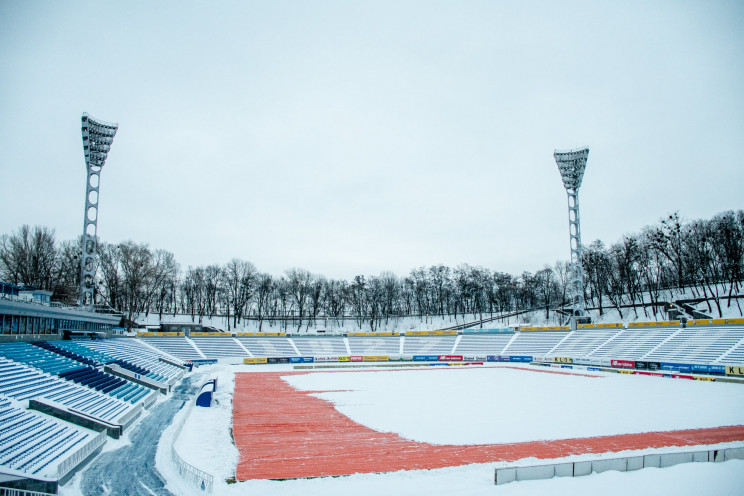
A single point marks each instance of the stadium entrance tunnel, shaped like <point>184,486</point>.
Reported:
<point>291,434</point>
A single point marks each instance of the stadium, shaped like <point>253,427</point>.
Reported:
<point>327,143</point>
<point>242,411</point>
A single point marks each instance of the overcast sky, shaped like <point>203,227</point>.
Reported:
<point>355,137</point>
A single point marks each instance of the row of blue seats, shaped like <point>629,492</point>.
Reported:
<point>68,353</point>
<point>39,358</point>
<point>22,382</point>
<point>30,442</point>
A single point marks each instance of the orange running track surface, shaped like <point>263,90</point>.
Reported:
<point>283,433</point>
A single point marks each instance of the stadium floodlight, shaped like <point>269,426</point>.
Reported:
<point>97,139</point>
<point>571,165</point>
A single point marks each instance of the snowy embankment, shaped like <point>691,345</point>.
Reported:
<point>488,405</point>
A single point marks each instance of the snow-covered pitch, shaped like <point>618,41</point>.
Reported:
<point>485,405</point>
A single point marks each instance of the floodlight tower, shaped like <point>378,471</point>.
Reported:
<point>571,165</point>
<point>97,139</point>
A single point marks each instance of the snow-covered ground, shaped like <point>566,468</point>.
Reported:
<point>488,405</point>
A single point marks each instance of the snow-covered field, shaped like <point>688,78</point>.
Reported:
<point>486,405</point>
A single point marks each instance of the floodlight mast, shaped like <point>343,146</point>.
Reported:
<point>571,165</point>
<point>97,139</point>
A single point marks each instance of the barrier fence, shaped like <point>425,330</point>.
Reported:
<point>76,458</point>
<point>623,464</point>
<point>9,491</point>
<point>198,478</point>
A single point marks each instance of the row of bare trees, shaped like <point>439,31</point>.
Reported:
<point>705,257</point>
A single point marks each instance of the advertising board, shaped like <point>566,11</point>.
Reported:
<point>623,364</point>
<point>562,359</point>
<point>734,370</point>
<point>520,358</point>
<point>450,358</point>
<point>425,358</point>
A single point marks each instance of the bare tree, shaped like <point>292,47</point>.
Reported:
<point>28,256</point>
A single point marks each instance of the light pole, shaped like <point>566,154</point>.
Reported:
<point>97,139</point>
<point>571,165</point>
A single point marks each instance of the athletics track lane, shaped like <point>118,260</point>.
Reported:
<point>284,433</point>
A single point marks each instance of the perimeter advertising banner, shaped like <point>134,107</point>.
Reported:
<point>450,358</point>
<point>623,364</point>
<point>647,365</point>
<point>326,359</point>
<point>734,370</point>
<point>300,359</point>
<point>522,358</point>
<point>425,358</point>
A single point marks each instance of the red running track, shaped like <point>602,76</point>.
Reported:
<point>283,433</point>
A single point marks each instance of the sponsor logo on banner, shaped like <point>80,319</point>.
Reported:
<point>734,370</point>
<point>653,365</point>
<point>626,371</point>
<point>594,369</point>
<point>625,364</point>
<point>710,379</point>
<point>641,365</point>
<point>521,358</point>
<point>566,366</point>
<point>563,360</point>
<point>343,359</point>
<point>641,372</point>
<point>450,358</point>
<point>717,369</point>
<point>504,358</point>
<point>582,361</point>
<point>470,358</point>
<point>679,376</point>
<point>326,359</point>
<point>701,369</point>
<point>356,358</point>
<point>492,358</point>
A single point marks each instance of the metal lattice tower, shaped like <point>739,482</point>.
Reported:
<point>97,139</point>
<point>571,165</point>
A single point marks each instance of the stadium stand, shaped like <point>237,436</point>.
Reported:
<point>34,443</point>
<point>697,345</point>
<point>487,344</point>
<point>39,358</point>
<point>582,343</point>
<point>21,382</point>
<point>134,353</point>
<point>319,346</point>
<point>219,347</point>
<point>268,346</point>
<point>735,354</point>
<point>534,343</point>
<point>424,345</point>
<point>181,348</point>
<point>632,344</point>
<point>382,345</point>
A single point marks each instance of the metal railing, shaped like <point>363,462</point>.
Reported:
<point>74,460</point>
<point>9,491</point>
<point>198,478</point>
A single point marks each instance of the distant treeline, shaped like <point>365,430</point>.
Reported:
<point>704,256</point>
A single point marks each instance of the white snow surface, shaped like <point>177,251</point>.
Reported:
<point>490,405</point>
<point>486,405</point>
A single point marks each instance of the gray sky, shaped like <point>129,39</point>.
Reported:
<point>355,137</point>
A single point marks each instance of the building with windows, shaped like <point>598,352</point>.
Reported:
<point>30,315</point>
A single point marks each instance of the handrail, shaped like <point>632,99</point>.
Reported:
<point>199,478</point>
